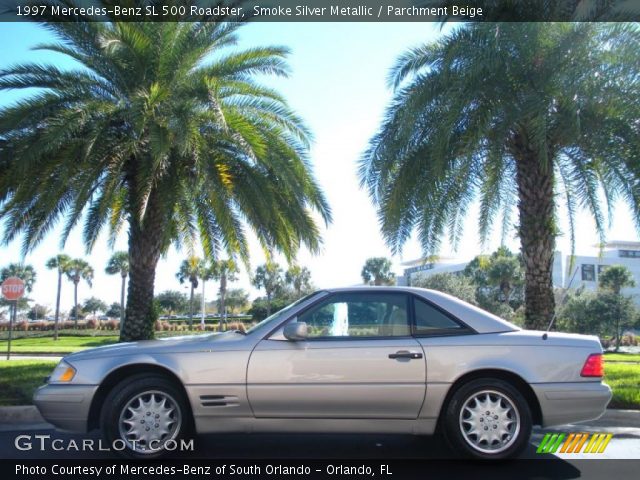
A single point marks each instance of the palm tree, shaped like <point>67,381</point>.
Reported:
<point>165,129</point>
<point>224,271</point>
<point>78,269</point>
<point>377,271</point>
<point>299,278</point>
<point>269,277</point>
<point>94,304</point>
<point>206,273</point>
<point>119,263</point>
<point>504,271</point>
<point>60,262</point>
<point>190,271</point>
<point>615,278</point>
<point>509,114</point>
<point>236,299</point>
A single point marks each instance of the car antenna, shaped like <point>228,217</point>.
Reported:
<point>545,335</point>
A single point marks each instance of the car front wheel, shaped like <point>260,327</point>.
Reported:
<point>488,419</point>
<point>144,416</point>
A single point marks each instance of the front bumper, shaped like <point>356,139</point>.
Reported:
<point>563,403</point>
<point>65,406</point>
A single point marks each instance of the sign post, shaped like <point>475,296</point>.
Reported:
<point>12,290</point>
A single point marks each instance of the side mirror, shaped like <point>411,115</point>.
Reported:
<point>295,331</point>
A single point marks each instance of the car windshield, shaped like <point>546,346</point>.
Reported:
<point>280,313</point>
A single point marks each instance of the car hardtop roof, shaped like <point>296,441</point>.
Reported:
<point>478,319</point>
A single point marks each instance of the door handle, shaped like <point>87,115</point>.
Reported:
<point>405,354</point>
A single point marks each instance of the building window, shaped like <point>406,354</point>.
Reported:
<point>588,272</point>
<point>629,253</point>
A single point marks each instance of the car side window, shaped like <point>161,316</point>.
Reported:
<point>359,315</point>
<point>429,319</point>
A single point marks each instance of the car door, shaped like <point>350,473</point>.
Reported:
<point>358,361</point>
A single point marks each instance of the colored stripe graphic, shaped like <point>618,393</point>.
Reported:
<point>569,442</point>
<point>574,442</point>
<point>556,445</point>
<point>606,442</point>
<point>543,443</point>
<point>550,443</point>
<point>585,437</point>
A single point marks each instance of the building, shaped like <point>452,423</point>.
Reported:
<point>583,271</point>
<point>587,268</point>
<point>421,267</point>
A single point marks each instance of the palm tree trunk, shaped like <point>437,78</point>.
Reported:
<point>55,325</point>
<point>537,234</point>
<point>124,281</point>
<point>223,293</point>
<point>617,323</point>
<point>145,244</point>
<point>75,303</point>
<point>191,309</point>
<point>268,304</point>
<point>202,302</point>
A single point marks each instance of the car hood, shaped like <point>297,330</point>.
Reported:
<point>166,345</point>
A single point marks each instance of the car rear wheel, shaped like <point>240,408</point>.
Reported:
<point>488,418</point>
<point>144,416</point>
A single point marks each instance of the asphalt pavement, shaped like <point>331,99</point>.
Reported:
<point>31,441</point>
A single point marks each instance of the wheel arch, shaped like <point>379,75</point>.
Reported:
<point>510,377</point>
<point>118,375</point>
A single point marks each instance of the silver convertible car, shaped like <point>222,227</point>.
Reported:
<point>371,360</point>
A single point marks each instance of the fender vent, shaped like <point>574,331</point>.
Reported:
<point>219,400</point>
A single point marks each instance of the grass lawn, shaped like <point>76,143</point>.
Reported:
<point>62,345</point>
<point>624,380</point>
<point>19,379</point>
<point>622,357</point>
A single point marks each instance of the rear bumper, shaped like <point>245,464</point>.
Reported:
<point>563,403</point>
<point>65,406</point>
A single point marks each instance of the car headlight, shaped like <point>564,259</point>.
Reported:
<point>63,373</point>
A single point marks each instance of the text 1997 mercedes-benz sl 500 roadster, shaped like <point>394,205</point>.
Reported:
<point>373,359</point>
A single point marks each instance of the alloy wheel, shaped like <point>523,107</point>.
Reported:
<point>149,420</point>
<point>489,421</point>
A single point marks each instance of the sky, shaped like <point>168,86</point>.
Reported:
<point>338,86</point>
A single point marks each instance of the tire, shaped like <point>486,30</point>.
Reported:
<point>142,413</point>
<point>508,417</point>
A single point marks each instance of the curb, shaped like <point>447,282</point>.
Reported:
<point>622,418</point>
<point>20,414</point>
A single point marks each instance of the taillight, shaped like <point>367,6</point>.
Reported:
<point>594,366</point>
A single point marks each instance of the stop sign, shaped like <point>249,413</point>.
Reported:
<point>12,288</point>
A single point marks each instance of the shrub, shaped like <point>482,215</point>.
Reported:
<point>92,323</point>
<point>112,324</point>
<point>41,326</point>
<point>22,325</point>
<point>161,326</point>
<point>236,326</point>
